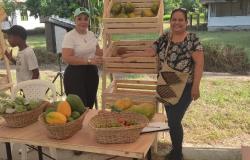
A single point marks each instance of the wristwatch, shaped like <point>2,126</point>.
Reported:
<point>89,61</point>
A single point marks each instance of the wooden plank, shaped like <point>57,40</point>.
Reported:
<point>124,31</point>
<point>129,86</point>
<point>132,70</point>
<point>133,43</point>
<point>130,59</point>
<point>129,25</point>
<point>131,65</point>
<point>137,82</point>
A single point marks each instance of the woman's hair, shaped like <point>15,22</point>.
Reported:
<point>182,10</point>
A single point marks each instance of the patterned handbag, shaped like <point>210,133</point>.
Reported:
<point>170,83</point>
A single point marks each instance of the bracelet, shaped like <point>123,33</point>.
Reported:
<point>89,61</point>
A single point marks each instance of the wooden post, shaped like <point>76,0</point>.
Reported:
<point>191,20</point>
<point>3,47</point>
<point>198,21</point>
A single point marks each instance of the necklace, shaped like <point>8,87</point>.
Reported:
<point>84,40</point>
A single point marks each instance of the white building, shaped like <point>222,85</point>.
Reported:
<point>228,14</point>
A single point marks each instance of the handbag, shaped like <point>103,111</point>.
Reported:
<point>170,83</point>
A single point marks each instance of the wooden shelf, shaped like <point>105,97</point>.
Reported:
<point>138,90</point>
<point>136,24</point>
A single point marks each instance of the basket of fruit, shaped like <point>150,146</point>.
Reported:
<point>64,118</point>
<point>113,127</point>
<point>19,112</point>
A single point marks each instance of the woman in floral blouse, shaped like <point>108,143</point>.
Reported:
<point>182,51</point>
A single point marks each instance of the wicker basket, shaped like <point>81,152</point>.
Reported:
<point>126,134</point>
<point>63,131</point>
<point>23,119</point>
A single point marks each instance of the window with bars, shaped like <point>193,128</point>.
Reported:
<point>24,15</point>
<point>232,8</point>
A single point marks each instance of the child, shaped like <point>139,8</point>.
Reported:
<point>26,61</point>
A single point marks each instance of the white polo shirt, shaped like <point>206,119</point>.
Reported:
<point>84,45</point>
<point>26,61</point>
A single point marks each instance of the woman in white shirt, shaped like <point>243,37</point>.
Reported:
<point>82,53</point>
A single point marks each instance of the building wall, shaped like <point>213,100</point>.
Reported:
<point>225,16</point>
<point>30,24</point>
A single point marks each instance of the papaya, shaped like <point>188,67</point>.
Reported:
<point>76,103</point>
<point>146,109</point>
<point>75,115</point>
<point>147,13</point>
<point>64,108</point>
<point>55,118</point>
<point>123,103</point>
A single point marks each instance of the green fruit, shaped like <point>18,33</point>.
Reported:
<point>76,103</point>
<point>116,9</point>
<point>75,115</point>
<point>33,104</point>
<point>19,100</point>
<point>20,108</point>
<point>146,109</point>
<point>131,15</point>
<point>70,119</point>
<point>129,7</point>
<point>147,13</point>
<point>154,8</point>
<point>50,109</point>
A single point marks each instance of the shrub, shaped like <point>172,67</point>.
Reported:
<point>166,17</point>
<point>44,56</point>
<point>225,58</point>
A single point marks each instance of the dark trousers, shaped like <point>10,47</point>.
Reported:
<point>83,81</point>
<point>175,114</point>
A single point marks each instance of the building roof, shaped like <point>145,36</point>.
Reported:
<point>216,1</point>
<point>61,22</point>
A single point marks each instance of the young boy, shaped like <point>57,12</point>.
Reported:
<point>26,61</point>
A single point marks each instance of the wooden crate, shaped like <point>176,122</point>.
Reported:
<point>133,25</point>
<point>114,63</point>
<point>138,90</point>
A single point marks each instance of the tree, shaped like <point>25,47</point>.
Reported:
<point>65,8</point>
<point>10,8</point>
<point>190,5</point>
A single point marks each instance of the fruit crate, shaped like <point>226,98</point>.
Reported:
<point>137,24</point>
<point>137,90</point>
<point>114,63</point>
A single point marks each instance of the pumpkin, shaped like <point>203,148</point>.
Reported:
<point>55,118</point>
<point>64,108</point>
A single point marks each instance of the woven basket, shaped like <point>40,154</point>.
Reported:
<point>63,131</point>
<point>23,119</point>
<point>126,134</point>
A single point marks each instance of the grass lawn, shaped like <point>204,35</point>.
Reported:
<point>239,39</point>
<point>36,40</point>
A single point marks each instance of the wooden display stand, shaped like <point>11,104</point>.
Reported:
<point>5,79</point>
<point>137,90</point>
<point>136,25</point>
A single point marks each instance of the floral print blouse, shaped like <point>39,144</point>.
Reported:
<point>179,55</point>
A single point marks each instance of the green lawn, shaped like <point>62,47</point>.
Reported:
<point>36,40</point>
<point>239,39</point>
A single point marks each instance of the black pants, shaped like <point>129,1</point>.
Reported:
<point>175,114</point>
<point>82,80</point>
